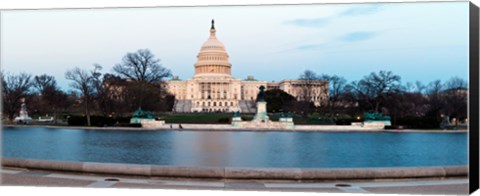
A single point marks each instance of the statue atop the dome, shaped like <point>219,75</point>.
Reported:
<point>213,26</point>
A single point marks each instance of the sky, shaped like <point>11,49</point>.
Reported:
<point>418,41</point>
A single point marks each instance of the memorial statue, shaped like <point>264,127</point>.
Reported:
<point>261,119</point>
<point>141,115</point>
<point>445,122</point>
<point>261,94</point>
<point>236,114</point>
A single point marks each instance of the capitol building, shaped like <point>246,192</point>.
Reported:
<point>214,89</point>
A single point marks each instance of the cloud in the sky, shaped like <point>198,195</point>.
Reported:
<point>362,10</point>
<point>358,36</point>
<point>313,22</point>
<point>342,36</point>
<point>356,10</point>
<point>350,37</point>
<point>311,46</point>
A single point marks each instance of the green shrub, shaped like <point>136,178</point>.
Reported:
<point>345,121</point>
<point>224,120</point>
<point>426,122</point>
<point>98,121</point>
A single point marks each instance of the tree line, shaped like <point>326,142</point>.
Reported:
<point>137,82</point>
<point>380,92</point>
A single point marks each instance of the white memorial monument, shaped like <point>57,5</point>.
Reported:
<point>261,115</point>
<point>261,120</point>
<point>23,117</point>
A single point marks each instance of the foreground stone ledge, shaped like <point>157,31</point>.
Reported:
<point>239,173</point>
<point>456,170</point>
<point>116,168</point>
<point>43,164</point>
<point>263,173</point>
<point>200,172</point>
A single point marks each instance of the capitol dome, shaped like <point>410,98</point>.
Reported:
<point>212,43</point>
<point>212,60</point>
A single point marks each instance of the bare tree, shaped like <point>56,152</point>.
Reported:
<point>434,95</point>
<point>307,81</point>
<point>455,98</point>
<point>50,99</point>
<point>98,85</point>
<point>83,81</point>
<point>111,95</point>
<point>375,88</point>
<point>44,81</point>
<point>146,88</point>
<point>456,83</point>
<point>420,87</point>
<point>14,87</point>
<point>141,66</point>
<point>336,91</point>
<point>449,98</point>
<point>416,87</point>
<point>434,90</point>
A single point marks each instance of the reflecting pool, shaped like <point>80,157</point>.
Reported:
<point>238,149</point>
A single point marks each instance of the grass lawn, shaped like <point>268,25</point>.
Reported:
<point>225,118</point>
<point>197,118</point>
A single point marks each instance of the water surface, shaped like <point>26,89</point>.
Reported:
<point>238,149</point>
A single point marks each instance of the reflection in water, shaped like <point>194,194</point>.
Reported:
<point>215,148</point>
<point>248,150</point>
<point>280,150</point>
<point>126,147</point>
<point>238,149</point>
<point>200,149</point>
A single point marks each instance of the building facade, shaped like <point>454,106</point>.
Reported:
<point>214,89</point>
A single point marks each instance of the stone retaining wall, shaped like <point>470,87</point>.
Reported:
<point>238,173</point>
<point>228,127</point>
<point>152,124</point>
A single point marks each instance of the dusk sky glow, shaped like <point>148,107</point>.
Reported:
<point>418,41</point>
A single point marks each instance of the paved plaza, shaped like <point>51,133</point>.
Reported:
<point>21,177</point>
